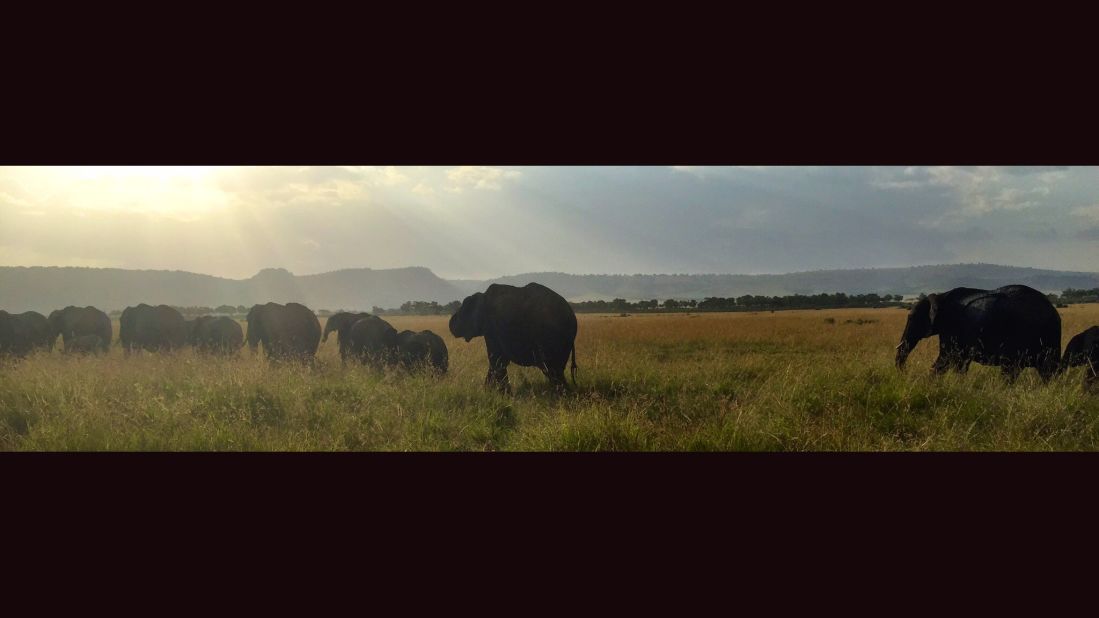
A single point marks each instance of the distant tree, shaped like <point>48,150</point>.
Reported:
<point>226,309</point>
<point>671,303</point>
<point>242,309</point>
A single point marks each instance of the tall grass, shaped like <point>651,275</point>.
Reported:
<point>768,381</point>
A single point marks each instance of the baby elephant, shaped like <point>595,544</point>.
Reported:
<point>1083,349</point>
<point>414,349</point>
<point>84,344</point>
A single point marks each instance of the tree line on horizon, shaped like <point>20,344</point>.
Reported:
<point>747,302</point>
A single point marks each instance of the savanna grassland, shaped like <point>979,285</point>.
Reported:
<point>784,381</point>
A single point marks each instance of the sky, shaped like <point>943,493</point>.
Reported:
<point>479,222</point>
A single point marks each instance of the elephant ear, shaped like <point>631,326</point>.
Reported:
<point>933,311</point>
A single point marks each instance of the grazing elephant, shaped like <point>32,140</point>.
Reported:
<point>1083,349</point>
<point>72,322</point>
<point>414,349</point>
<point>341,323</point>
<point>1012,327</point>
<point>372,340</point>
<point>151,329</point>
<point>222,335</point>
<point>23,333</point>
<point>86,344</point>
<point>531,326</point>
<point>290,331</point>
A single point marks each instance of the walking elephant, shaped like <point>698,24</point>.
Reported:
<point>152,329</point>
<point>341,323</point>
<point>531,326</point>
<point>373,341</point>
<point>424,347</point>
<point>24,333</point>
<point>1012,327</point>
<point>216,335</point>
<point>1083,349</point>
<point>290,331</point>
<point>72,322</point>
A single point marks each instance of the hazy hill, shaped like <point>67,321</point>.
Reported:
<point>912,280</point>
<point>46,288</point>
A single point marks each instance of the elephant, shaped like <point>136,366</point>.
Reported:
<point>372,340</point>
<point>341,323</point>
<point>531,326</point>
<point>1083,349</point>
<point>23,333</point>
<point>217,335</point>
<point>290,331</point>
<point>151,329</point>
<point>415,349</point>
<point>72,322</point>
<point>1012,327</point>
<point>86,344</point>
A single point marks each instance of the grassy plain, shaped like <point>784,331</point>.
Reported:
<point>784,381</point>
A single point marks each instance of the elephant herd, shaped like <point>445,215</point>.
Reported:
<point>1012,327</point>
<point>528,326</point>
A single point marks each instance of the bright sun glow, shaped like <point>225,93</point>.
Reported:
<point>183,192</point>
<point>146,172</point>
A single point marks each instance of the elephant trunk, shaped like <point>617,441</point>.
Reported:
<point>903,350</point>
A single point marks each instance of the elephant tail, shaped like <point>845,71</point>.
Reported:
<point>572,369</point>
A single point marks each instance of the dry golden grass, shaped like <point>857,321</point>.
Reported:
<point>730,381</point>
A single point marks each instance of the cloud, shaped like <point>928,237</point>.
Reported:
<point>976,190</point>
<point>423,189</point>
<point>1023,170</point>
<point>1087,212</point>
<point>479,177</point>
<point>489,221</point>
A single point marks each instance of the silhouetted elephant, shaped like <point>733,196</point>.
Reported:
<point>72,322</point>
<point>1012,327</point>
<point>86,344</point>
<point>23,333</point>
<point>341,323</point>
<point>372,340</point>
<point>531,326</point>
<point>152,329</point>
<point>216,335</point>
<point>1083,349</point>
<point>424,347</point>
<point>290,331</point>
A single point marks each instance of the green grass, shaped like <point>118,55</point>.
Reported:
<point>762,382</point>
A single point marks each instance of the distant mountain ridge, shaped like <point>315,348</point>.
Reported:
<point>44,288</point>
<point>907,280</point>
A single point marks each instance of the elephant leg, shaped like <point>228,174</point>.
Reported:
<point>497,367</point>
<point>498,378</point>
<point>941,364</point>
<point>498,374</point>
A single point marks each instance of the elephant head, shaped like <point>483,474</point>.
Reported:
<point>338,321</point>
<point>469,321</point>
<point>921,324</point>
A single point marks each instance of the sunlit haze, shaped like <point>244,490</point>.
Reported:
<point>482,222</point>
